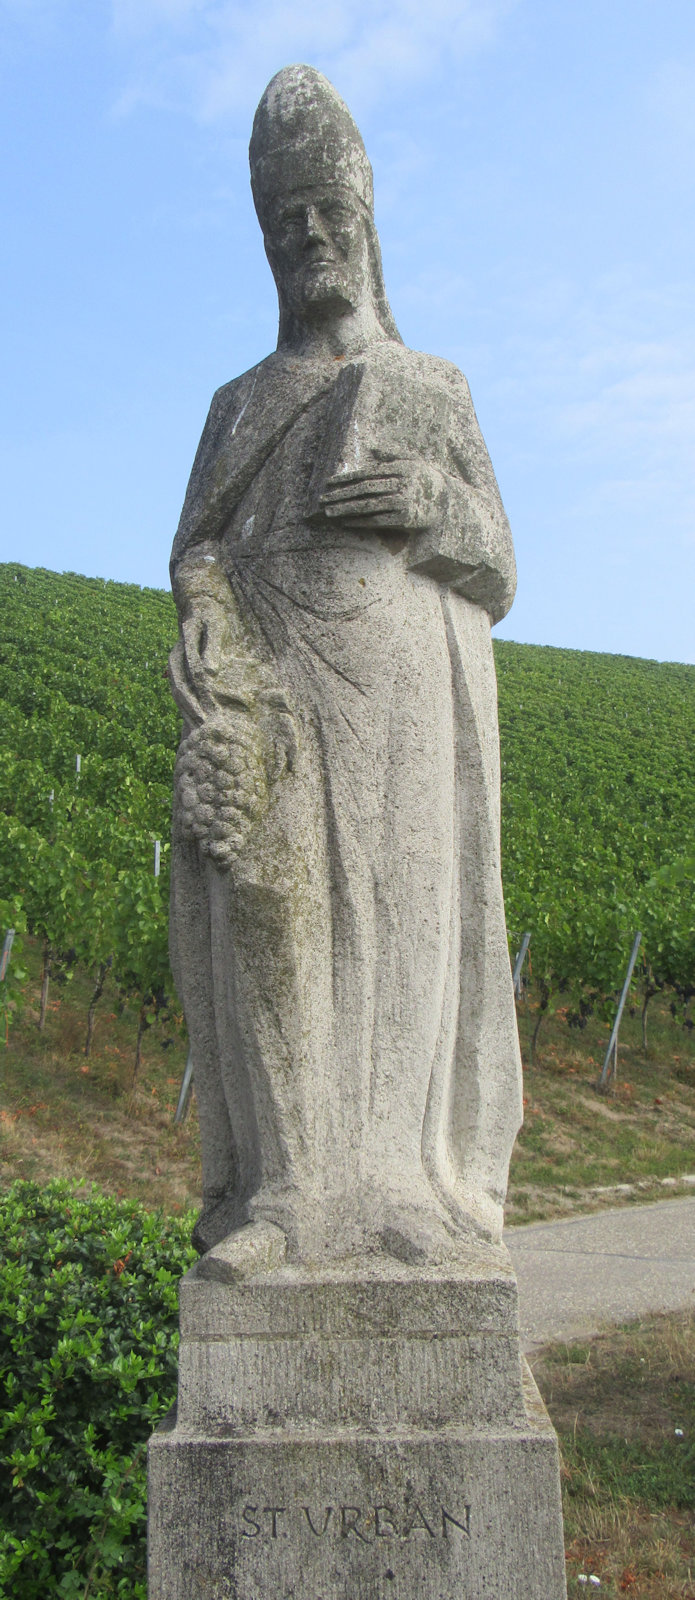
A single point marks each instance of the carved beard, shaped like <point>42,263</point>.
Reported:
<point>324,285</point>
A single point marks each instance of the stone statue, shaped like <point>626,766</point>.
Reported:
<point>353,1419</point>
<point>338,936</point>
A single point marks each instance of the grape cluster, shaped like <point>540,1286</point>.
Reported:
<point>222,785</point>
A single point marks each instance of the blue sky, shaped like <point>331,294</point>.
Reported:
<point>534,167</point>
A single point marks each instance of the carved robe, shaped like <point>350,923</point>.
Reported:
<point>341,955</point>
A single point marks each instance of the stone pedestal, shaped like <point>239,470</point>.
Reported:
<point>368,1433</point>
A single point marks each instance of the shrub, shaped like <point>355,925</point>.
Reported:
<point>88,1347</point>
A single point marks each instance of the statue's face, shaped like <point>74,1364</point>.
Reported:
<point>316,241</point>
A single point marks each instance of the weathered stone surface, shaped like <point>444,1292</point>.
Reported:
<point>359,1434</point>
<point>372,1346</point>
<point>473,1517</point>
<point>352,1421</point>
<point>338,932</point>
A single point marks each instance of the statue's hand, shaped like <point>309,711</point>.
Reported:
<point>208,630</point>
<point>207,641</point>
<point>400,496</point>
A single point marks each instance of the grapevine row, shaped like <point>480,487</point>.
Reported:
<point>598,831</point>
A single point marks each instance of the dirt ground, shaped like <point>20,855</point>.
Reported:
<point>63,1114</point>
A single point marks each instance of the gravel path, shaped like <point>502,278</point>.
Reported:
<point>576,1275</point>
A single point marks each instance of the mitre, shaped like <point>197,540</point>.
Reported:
<point>303,134</point>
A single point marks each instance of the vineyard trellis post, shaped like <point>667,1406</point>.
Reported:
<point>4,964</point>
<point>6,948</point>
<point>518,964</point>
<point>185,1090</point>
<point>610,1065</point>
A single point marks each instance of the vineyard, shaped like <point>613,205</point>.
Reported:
<point>598,824</point>
<point>82,676</point>
<point>597,805</point>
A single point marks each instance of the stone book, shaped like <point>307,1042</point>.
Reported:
<point>375,420</point>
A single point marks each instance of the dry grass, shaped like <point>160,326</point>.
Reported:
<point>629,1476</point>
<point>648,1555</point>
<point>579,1150</point>
<point>64,1116</point>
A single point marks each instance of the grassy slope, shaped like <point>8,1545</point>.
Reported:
<point>63,1115</point>
<point>574,1143</point>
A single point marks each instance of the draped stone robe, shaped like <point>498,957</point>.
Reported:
<point>343,963</point>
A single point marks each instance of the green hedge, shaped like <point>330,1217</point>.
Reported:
<point>88,1346</point>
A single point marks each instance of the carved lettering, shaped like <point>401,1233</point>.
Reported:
<point>254,1528</point>
<point>464,1526</point>
<point>349,1518</point>
<point>365,1523</point>
<point>275,1512</point>
<point>384,1523</point>
<point>417,1523</point>
<point>319,1532</point>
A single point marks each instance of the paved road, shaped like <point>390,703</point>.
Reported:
<point>578,1274</point>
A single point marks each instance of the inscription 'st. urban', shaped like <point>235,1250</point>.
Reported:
<point>337,927</point>
<point>364,1523</point>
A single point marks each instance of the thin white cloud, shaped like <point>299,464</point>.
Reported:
<point>600,386</point>
<point>622,399</point>
<point>213,57</point>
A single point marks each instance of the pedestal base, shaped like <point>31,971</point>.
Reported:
<point>365,1435</point>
